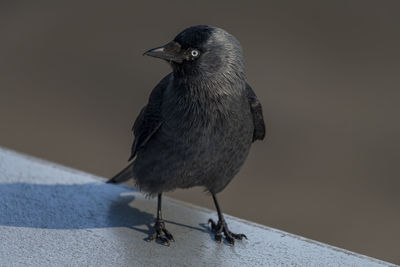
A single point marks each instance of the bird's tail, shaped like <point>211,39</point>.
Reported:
<point>123,175</point>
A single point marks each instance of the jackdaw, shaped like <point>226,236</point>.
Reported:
<point>198,124</point>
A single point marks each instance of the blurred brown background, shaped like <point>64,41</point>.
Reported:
<point>73,78</point>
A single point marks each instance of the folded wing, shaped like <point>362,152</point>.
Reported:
<point>256,111</point>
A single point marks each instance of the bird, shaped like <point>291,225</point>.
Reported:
<point>198,125</point>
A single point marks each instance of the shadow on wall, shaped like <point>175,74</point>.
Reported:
<point>78,206</point>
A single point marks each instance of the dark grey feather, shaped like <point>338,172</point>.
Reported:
<point>256,111</point>
<point>122,176</point>
<point>201,119</point>
<point>146,125</point>
<point>149,119</point>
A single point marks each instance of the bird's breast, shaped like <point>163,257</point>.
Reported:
<point>205,121</point>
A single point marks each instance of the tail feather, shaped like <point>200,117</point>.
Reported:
<point>122,176</point>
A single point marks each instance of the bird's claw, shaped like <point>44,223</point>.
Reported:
<point>161,234</point>
<point>222,227</point>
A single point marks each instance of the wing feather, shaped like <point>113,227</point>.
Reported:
<point>256,111</point>
<point>149,120</point>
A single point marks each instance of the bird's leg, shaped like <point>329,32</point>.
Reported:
<point>222,227</point>
<point>160,232</point>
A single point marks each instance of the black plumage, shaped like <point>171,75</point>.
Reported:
<point>199,123</point>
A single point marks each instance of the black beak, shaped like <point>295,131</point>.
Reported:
<point>170,52</point>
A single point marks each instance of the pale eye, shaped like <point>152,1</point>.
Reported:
<point>195,53</point>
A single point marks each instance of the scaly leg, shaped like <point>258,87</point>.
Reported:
<point>222,227</point>
<point>160,232</point>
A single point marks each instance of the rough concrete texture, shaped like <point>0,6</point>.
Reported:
<point>52,215</point>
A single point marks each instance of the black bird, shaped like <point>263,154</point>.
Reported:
<point>199,122</point>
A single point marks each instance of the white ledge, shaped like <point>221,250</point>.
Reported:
<point>55,216</point>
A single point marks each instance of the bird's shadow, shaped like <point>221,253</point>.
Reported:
<point>75,206</point>
<point>206,229</point>
<point>200,229</point>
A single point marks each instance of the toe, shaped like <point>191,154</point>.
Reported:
<point>168,235</point>
<point>218,238</point>
<point>214,226</point>
<point>239,236</point>
<point>152,237</point>
<point>159,239</point>
<point>163,241</point>
<point>230,240</point>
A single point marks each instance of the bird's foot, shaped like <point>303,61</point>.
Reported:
<point>222,227</point>
<point>161,234</point>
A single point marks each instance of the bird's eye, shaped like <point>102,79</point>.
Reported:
<point>195,53</point>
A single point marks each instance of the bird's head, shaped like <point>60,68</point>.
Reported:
<point>202,50</point>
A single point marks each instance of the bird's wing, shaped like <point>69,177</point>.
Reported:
<point>256,111</point>
<point>149,119</point>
